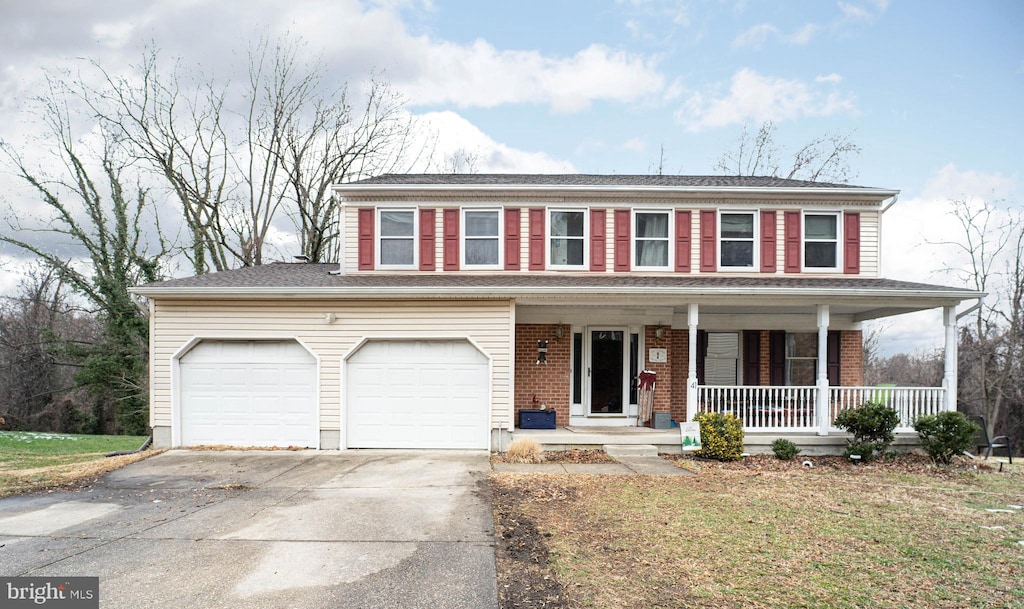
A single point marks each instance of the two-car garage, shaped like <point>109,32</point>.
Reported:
<point>396,393</point>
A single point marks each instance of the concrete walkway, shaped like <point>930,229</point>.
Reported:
<point>624,466</point>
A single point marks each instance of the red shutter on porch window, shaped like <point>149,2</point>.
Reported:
<point>832,362</point>
<point>428,239</point>
<point>777,358</point>
<point>708,241</point>
<point>537,239</point>
<point>365,230</point>
<point>598,239</point>
<point>684,236</point>
<point>751,357</point>
<point>793,245</point>
<point>621,239</point>
<point>512,239</point>
<point>450,222</point>
<point>769,256</point>
<point>851,253</point>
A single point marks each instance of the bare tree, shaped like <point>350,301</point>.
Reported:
<point>104,225</point>
<point>992,346</point>
<point>37,387</point>
<point>823,159</point>
<point>237,161</point>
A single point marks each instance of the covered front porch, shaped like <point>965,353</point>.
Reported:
<point>784,361</point>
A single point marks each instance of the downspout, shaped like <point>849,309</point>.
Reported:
<point>145,445</point>
<point>892,201</point>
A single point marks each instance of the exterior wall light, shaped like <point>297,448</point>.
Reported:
<point>542,352</point>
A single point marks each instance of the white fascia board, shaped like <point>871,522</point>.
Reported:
<point>378,189</point>
<point>376,292</point>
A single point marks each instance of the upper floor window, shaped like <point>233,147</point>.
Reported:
<point>821,241</point>
<point>567,238</point>
<point>650,244</point>
<point>481,238</point>
<point>737,240</point>
<point>397,241</point>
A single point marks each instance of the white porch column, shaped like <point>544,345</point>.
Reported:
<point>691,370</point>
<point>949,380</point>
<point>822,400</point>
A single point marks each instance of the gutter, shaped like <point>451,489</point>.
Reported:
<point>355,188</point>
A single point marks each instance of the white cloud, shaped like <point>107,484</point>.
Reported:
<point>454,134</point>
<point>756,97</point>
<point>756,36</point>
<point>832,78</point>
<point>482,76</point>
<point>634,145</point>
<point>475,74</point>
<point>865,12</point>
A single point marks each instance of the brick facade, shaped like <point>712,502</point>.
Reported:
<point>551,383</point>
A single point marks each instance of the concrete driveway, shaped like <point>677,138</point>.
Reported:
<point>268,529</point>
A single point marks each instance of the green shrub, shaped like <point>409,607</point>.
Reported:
<point>784,449</point>
<point>871,425</point>
<point>945,435</point>
<point>721,436</point>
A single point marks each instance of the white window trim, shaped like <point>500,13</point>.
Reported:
<point>500,237</point>
<point>669,259</point>
<point>378,237</point>
<point>803,240</point>
<point>755,265</point>
<point>548,237</point>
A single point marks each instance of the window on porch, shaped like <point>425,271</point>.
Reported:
<point>734,358</point>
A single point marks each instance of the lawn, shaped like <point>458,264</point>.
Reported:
<point>751,536</point>
<point>35,460</point>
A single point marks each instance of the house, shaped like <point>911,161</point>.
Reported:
<point>461,300</point>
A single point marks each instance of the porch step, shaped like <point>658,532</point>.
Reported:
<point>631,450</point>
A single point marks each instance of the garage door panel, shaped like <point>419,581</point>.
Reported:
<point>413,394</point>
<point>248,393</point>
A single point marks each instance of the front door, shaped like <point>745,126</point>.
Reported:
<point>607,371</point>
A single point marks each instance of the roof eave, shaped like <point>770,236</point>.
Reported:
<point>510,292</point>
<point>378,189</point>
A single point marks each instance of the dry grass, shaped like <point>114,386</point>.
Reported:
<point>738,536</point>
<point>524,450</point>
<point>16,481</point>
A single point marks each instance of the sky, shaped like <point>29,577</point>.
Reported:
<point>931,91</point>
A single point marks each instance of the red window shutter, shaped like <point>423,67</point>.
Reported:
<point>365,229</point>
<point>598,241</point>
<point>512,239</point>
<point>537,239</point>
<point>851,253</point>
<point>769,257</point>
<point>793,241</point>
<point>450,222</point>
<point>684,237</point>
<point>428,240</point>
<point>621,239</point>
<point>708,241</point>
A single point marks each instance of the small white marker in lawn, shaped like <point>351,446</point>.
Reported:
<point>990,510</point>
<point>996,528</point>
<point>808,464</point>
<point>1016,507</point>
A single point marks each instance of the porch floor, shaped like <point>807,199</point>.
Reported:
<point>669,440</point>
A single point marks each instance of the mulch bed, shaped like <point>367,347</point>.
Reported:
<point>908,463</point>
<point>576,455</point>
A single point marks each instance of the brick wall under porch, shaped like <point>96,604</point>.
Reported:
<point>550,384</point>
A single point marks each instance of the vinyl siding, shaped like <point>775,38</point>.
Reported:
<point>870,262</point>
<point>177,322</point>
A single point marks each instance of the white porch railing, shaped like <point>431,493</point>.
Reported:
<point>762,408</point>
<point>795,408</point>
<point>909,402</point>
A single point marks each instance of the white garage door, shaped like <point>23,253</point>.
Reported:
<point>248,393</point>
<point>417,394</point>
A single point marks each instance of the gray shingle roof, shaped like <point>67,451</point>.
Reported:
<point>519,179</point>
<point>317,278</point>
